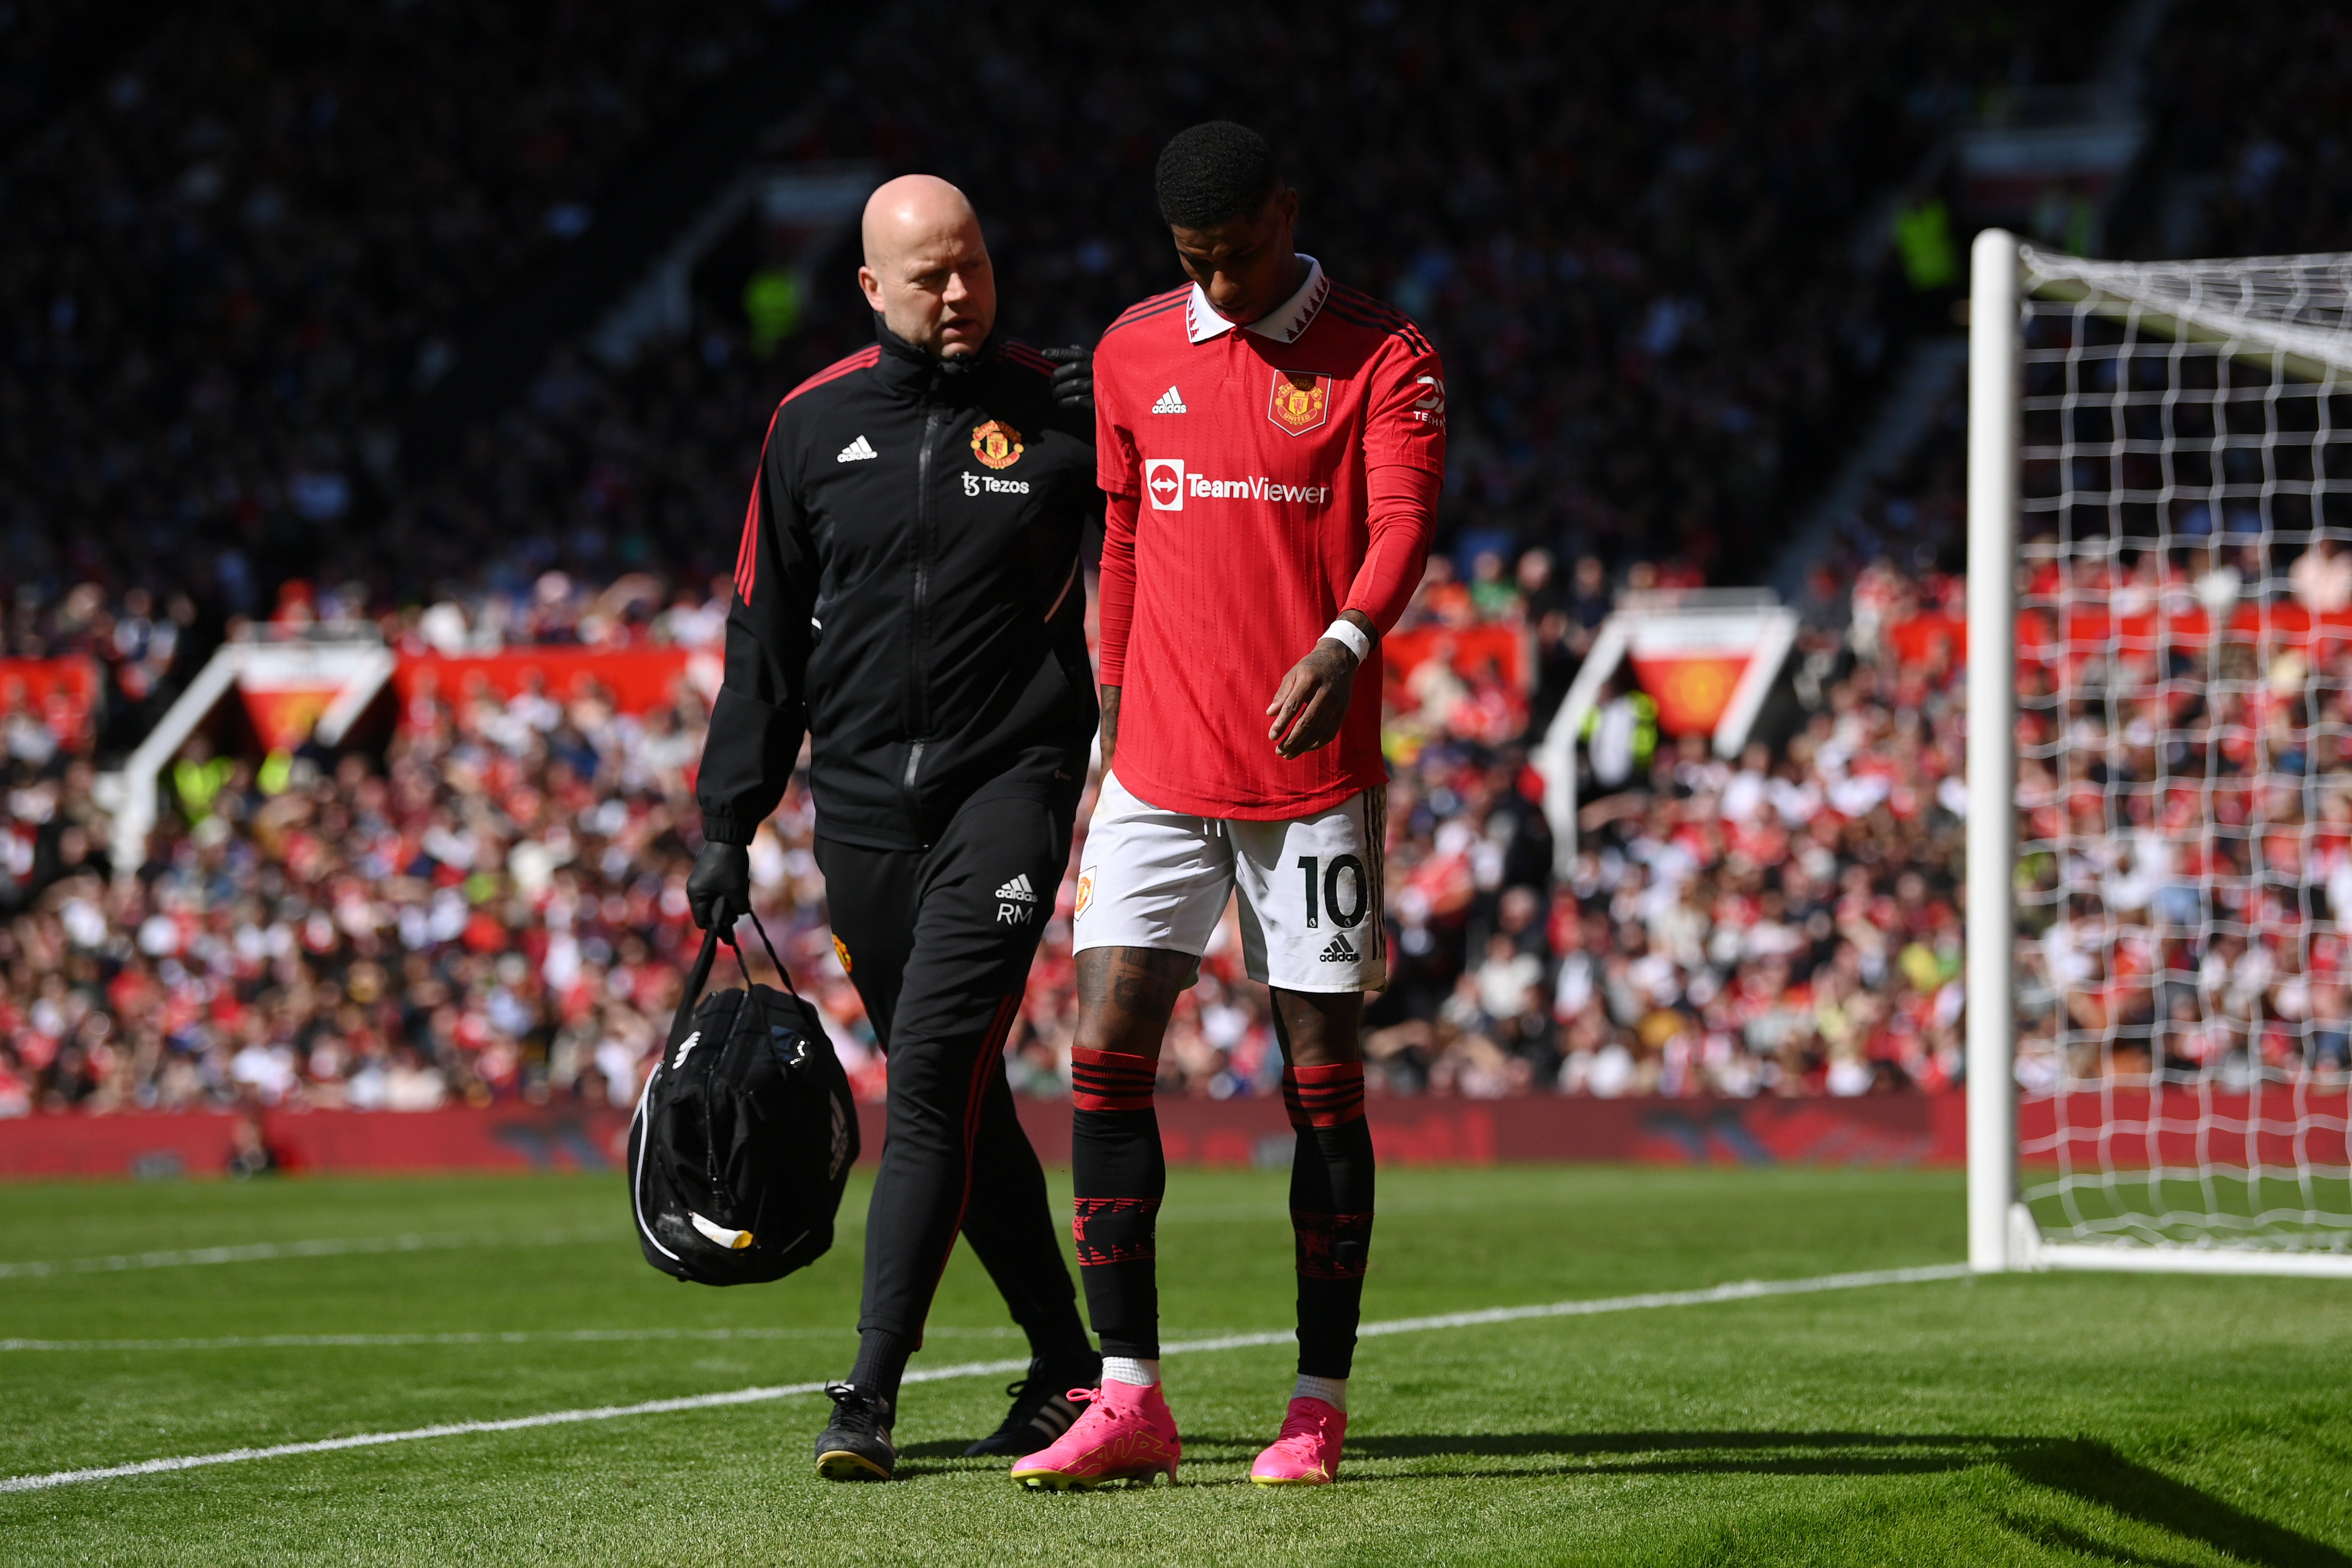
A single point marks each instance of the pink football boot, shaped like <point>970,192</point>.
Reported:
<point>1308,1452</point>
<point>1126,1435</point>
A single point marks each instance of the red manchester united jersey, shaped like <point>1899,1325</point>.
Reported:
<point>1244,466</point>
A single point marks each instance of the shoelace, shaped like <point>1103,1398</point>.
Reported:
<point>1299,1424</point>
<point>1085,1396</point>
<point>854,1410</point>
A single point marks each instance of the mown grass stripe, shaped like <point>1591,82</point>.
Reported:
<point>468,1337</point>
<point>258,1251</point>
<point>1747,1290</point>
<point>349,1246</point>
<point>1741,1291</point>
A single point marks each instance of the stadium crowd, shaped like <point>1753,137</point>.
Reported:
<point>1631,231</point>
<point>235,265</point>
<point>1655,313</point>
<point>499,909</point>
<point>237,280</point>
<point>250,254</point>
<point>2240,173</point>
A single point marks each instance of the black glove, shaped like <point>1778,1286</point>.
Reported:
<point>1074,380</point>
<point>718,890</point>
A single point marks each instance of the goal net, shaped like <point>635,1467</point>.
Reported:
<point>2160,580</point>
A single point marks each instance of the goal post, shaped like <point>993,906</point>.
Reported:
<point>1992,470</point>
<point>2159,764</point>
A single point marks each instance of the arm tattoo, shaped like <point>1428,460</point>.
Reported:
<point>1109,724</point>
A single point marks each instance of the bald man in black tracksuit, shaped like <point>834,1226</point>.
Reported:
<point>908,595</point>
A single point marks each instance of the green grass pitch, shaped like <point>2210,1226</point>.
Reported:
<point>2097,1419</point>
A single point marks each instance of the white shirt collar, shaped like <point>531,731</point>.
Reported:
<point>1283,323</point>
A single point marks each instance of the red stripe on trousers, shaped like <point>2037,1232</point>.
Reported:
<point>992,1050</point>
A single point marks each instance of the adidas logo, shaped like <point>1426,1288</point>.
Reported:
<point>1018,890</point>
<point>1170,402</point>
<point>858,451</point>
<point>1338,952</point>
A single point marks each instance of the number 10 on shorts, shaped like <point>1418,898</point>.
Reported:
<point>1337,886</point>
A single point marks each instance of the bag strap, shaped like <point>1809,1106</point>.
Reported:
<point>699,975</point>
<point>696,979</point>
<point>785,975</point>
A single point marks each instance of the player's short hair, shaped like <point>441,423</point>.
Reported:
<point>1213,173</point>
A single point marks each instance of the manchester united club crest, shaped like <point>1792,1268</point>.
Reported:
<point>1300,400</point>
<point>996,444</point>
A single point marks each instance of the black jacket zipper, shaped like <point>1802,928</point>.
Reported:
<point>919,694</point>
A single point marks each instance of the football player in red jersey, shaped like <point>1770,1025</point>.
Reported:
<point>1272,444</point>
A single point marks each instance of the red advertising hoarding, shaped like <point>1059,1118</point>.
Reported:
<point>62,691</point>
<point>2113,1131</point>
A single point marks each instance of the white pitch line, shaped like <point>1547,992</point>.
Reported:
<point>1743,1291</point>
<point>463,1428</point>
<point>256,1251</point>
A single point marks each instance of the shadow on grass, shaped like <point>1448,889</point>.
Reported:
<point>1212,1449</point>
<point>2058,1538</point>
<point>939,1448</point>
<point>2079,1467</point>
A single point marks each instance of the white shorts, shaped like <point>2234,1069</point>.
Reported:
<point>1310,888</point>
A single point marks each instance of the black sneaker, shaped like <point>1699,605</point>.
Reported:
<point>856,1445</point>
<point>1041,1410</point>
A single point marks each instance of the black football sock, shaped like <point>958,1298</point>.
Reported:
<point>1121,1175</point>
<point>1331,1210</point>
<point>881,1362</point>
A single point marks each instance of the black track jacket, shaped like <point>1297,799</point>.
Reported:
<point>907,593</point>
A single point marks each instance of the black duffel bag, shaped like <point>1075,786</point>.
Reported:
<point>743,1138</point>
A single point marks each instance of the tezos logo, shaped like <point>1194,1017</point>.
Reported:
<point>1164,478</point>
<point>977,484</point>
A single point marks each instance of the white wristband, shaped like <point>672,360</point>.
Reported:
<point>1347,633</point>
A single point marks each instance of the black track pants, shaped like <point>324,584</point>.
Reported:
<point>938,944</point>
